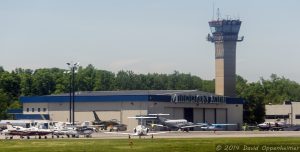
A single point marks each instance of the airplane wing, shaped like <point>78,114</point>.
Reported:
<point>141,117</point>
<point>204,124</point>
<point>96,126</point>
<point>208,124</point>
<point>223,124</point>
<point>159,125</point>
<point>158,114</point>
<point>121,133</point>
<point>192,126</point>
<point>134,134</point>
<point>156,133</point>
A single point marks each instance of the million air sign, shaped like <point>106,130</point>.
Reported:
<point>198,99</point>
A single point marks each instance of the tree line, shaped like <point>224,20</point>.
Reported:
<point>27,82</point>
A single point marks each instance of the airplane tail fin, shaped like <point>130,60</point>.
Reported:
<point>9,127</point>
<point>96,116</point>
<point>162,119</point>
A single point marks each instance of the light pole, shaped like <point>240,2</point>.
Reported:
<point>70,93</point>
<point>73,67</point>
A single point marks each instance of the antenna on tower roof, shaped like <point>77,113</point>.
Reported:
<point>218,13</point>
<point>213,17</point>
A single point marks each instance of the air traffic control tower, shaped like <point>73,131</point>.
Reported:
<point>225,35</point>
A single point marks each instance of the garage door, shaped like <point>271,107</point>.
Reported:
<point>198,115</point>
<point>221,115</point>
<point>175,113</point>
<point>210,115</point>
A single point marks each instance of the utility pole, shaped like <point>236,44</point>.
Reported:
<point>73,67</point>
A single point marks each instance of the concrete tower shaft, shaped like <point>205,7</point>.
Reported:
<point>225,36</point>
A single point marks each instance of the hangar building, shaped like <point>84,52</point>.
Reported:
<point>193,105</point>
<point>287,112</point>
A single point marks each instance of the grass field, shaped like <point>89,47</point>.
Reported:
<point>124,145</point>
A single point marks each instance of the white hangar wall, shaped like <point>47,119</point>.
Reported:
<point>120,107</point>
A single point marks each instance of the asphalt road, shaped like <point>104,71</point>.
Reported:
<point>194,134</point>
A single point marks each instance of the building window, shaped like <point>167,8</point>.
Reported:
<point>32,109</point>
<point>297,116</point>
<point>27,109</point>
<point>277,116</point>
<point>44,109</point>
<point>39,109</point>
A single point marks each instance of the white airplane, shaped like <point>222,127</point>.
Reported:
<point>65,128</point>
<point>214,127</point>
<point>21,123</point>
<point>25,132</point>
<point>139,130</point>
<point>272,126</point>
<point>179,124</point>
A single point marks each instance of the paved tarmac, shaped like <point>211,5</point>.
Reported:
<point>194,134</point>
<point>209,134</point>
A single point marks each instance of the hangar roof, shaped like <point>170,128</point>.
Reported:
<point>128,96</point>
<point>136,92</point>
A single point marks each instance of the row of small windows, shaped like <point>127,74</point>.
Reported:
<point>277,116</point>
<point>38,109</point>
<point>281,117</point>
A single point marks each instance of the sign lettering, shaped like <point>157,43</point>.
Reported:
<point>198,99</point>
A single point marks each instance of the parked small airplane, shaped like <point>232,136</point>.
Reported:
<point>63,128</point>
<point>22,123</point>
<point>76,132</point>
<point>139,130</point>
<point>214,127</point>
<point>112,124</point>
<point>272,126</point>
<point>178,124</point>
<point>25,132</point>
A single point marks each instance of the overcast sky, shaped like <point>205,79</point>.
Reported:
<point>148,35</point>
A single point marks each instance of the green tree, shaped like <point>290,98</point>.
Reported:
<point>123,81</point>
<point>86,78</point>
<point>208,86</point>
<point>104,80</point>
<point>156,81</point>
<point>10,84</point>
<point>254,109</point>
<point>1,69</point>
<point>26,81</point>
<point>44,81</point>
<point>4,104</point>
